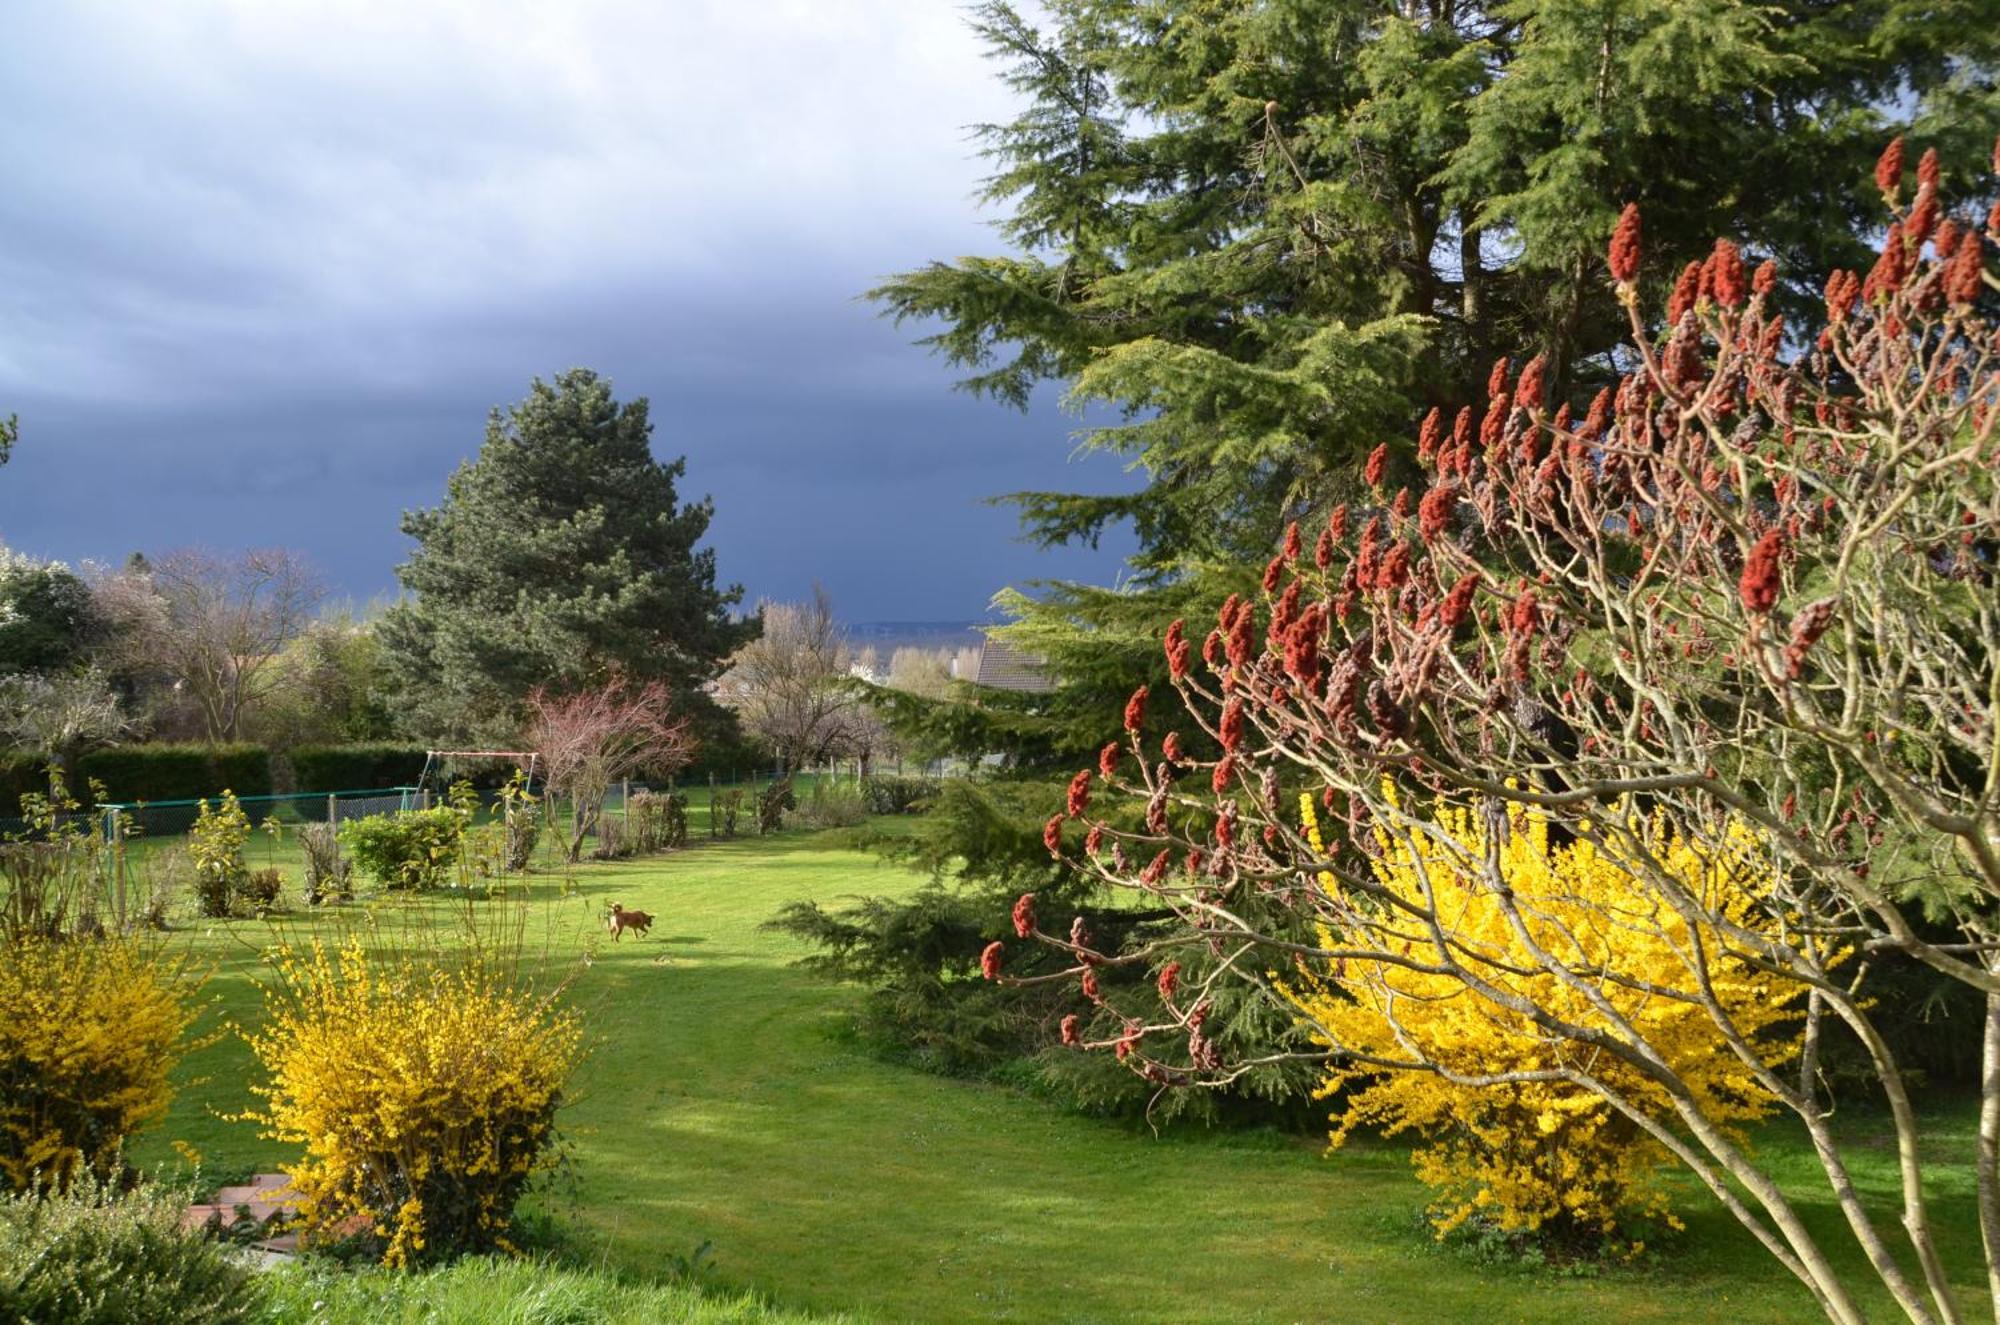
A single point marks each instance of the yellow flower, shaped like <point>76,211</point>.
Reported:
<point>1544,1147</point>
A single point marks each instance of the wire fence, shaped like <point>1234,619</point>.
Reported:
<point>173,818</point>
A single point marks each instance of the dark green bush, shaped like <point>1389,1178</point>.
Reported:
<point>99,1256</point>
<point>775,802</point>
<point>171,772</point>
<point>415,849</point>
<point>356,767</point>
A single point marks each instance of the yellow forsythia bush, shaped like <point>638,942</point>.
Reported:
<point>89,1032</point>
<point>1545,1157</point>
<point>425,1097</point>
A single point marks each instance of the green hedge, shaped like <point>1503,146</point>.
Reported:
<point>164,772</point>
<point>356,767</point>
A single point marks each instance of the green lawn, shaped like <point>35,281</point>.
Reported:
<point>725,1101</point>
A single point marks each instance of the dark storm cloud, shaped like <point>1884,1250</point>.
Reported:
<point>267,267</point>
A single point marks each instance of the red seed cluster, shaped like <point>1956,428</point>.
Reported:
<point>1079,794</point>
<point>1135,710</point>
<point>1761,573</point>
<point>1889,168</point>
<point>1727,274</point>
<point>1071,1036</point>
<point>1178,650</point>
<point>1962,275</point>
<point>1526,617</point>
<point>1807,627</point>
<point>1377,459</point>
<point>1624,252</point>
<point>1107,761</point>
<point>1230,729</point>
<point>1024,915</point>
<point>1528,391</point>
<point>1430,435</point>
<point>1434,512</point>
<point>989,961</point>
<point>1686,290</point>
<point>1170,979</point>
<point>1892,266</point>
<point>1052,835</point>
<point>1457,604</point>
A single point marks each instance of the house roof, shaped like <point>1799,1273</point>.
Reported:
<point>1003,667</point>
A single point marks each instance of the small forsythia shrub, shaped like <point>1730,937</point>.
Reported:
<point>1511,1140</point>
<point>89,1032</point>
<point>425,1098</point>
<point>102,1255</point>
<point>215,843</point>
<point>413,850</point>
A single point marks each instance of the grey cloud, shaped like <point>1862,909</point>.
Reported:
<point>268,265</point>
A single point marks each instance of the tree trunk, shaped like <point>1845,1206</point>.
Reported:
<point>1989,1150</point>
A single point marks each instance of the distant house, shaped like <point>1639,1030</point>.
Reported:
<point>1003,667</point>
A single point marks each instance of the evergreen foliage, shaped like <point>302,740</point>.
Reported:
<point>170,771</point>
<point>982,844</point>
<point>356,767</point>
<point>1267,234</point>
<point>560,556</point>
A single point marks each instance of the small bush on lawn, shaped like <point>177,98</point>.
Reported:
<point>829,807</point>
<point>411,850</point>
<point>51,874</point>
<point>774,803</point>
<point>216,845</point>
<point>613,842</point>
<point>327,872</point>
<point>98,1255</point>
<point>897,795</point>
<point>425,1097</point>
<point>262,888</point>
<point>524,830</point>
<point>89,1032</point>
<point>659,821</point>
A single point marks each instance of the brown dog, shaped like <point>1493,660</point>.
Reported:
<point>622,920</point>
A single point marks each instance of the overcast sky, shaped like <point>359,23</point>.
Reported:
<point>264,266</point>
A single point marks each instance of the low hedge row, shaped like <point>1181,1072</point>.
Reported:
<point>169,772</point>
<point>353,767</point>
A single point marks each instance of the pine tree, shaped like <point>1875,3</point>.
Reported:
<point>560,556</point>
<point>1267,234</point>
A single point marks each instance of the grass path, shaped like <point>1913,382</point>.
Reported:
<point>725,1102</point>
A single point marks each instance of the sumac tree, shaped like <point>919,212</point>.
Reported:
<point>1739,608</point>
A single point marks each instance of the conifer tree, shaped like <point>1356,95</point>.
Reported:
<point>1268,234</point>
<point>561,556</point>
